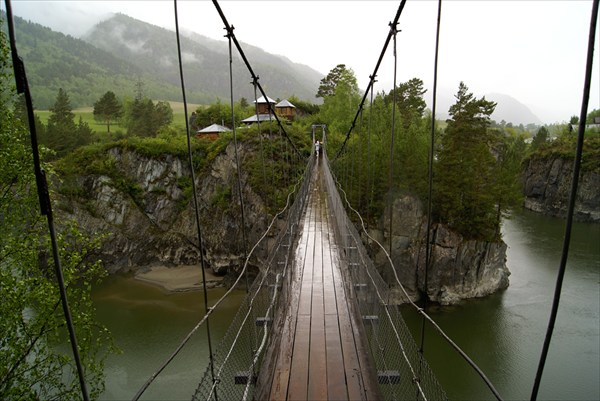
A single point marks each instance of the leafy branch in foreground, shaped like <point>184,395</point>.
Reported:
<point>35,363</point>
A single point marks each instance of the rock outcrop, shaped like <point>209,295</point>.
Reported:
<point>547,184</point>
<point>460,268</point>
<point>147,217</point>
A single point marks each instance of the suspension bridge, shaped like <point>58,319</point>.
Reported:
<point>318,321</point>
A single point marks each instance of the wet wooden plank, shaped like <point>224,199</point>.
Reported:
<point>336,377</point>
<point>298,385</point>
<point>319,357</point>
<point>317,382</point>
<point>281,372</point>
<point>352,366</point>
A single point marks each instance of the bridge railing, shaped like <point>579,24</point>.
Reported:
<point>402,371</point>
<point>237,358</point>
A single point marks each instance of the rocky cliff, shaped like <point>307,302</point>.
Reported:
<point>460,268</point>
<point>145,211</point>
<point>547,184</point>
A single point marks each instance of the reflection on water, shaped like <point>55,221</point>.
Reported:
<point>147,325</point>
<point>504,332</point>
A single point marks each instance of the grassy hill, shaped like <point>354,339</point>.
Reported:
<point>87,115</point>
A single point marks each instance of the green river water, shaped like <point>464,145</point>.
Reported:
<point>503,333</point>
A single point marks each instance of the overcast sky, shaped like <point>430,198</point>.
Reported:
<point>534,51</point>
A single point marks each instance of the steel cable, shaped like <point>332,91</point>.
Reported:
<point>420,310</point>
<point>572,199</point>
<point>229,30</point>
<point>371,81</point>
<point>44,196</point>
<point>218,302</point>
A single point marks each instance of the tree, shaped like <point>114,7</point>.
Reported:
<point>540,138</point>
<point>338,74</point>
<point>144,118</point>
<point>592,115</point>
<point>510,152</point>
<point>409,98</point>
<point>163,114</point>
<point>61,111</point>
<point>20,113</point>
<point>62,134</point>
<point>108,109</point>
<point>465,195</point>
<point>339,107</point>
<point>32,324</point>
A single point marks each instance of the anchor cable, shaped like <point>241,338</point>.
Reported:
<point>198,225</point>
<point>430,177</point>
<point>572,200</point>
<point>44,196</point>
<point>371,81</point>
<point>229,29</point>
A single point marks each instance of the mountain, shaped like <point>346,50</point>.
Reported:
<point>121,51</point>
<point>511,110</point>
<point>508,109</point>
<point>205,61</point>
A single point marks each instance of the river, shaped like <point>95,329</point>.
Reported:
<point>503,333</point>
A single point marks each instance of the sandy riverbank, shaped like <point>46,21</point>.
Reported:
<point>178,279</point>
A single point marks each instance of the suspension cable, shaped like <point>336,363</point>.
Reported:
<point>371,81</point>
<point>420,310</point>
<point>199,233</point>
<point>218,302</point>
<point>43,195</point>
<point>394,31</point>
<point>385,303</point>
<point>195,197</point>
<point>229,30</point>
<point>369,166</point>
<point>572,199</point>
<point>235,147</point>
<point>430,177</point>
<point>262,156</point>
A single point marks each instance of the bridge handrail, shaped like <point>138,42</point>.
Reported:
<point>241,274</point>
<point>420,310</point>
<point>207,388</point>
<point>407,346</point>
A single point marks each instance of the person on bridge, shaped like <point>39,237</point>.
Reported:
<point>317,148</point>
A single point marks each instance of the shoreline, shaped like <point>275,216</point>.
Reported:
<point>178,279</point>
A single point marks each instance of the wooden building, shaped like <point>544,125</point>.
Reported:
<point>212,131</point>
<point>286,110</point>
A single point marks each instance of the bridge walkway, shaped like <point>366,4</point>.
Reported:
<point>322,354</point>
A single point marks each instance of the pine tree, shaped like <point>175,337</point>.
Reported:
<point>409,99</point>
<point>540,138</point>
<point>61,132</point>
<point>465,182</point>
<point>339,74</point>
<point>62,112</point>
<point>108,109</point>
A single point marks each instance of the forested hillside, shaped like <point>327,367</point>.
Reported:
<point>206,62</point>
<point>53,61</point>
<point>121,52</point>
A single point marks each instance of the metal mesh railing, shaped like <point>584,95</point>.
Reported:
<point>401,370</point>
<point>237,359</point>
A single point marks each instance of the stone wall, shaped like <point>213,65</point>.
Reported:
<point>460,268</point>
<point>150,220</point>
<point>547,185</point>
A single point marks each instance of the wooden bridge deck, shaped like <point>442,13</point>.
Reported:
<point>321,355</point>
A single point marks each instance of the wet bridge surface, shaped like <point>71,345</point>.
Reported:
<point>322,354</point>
